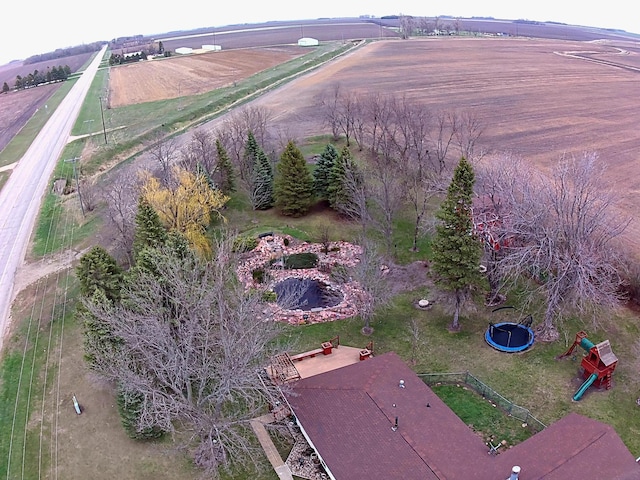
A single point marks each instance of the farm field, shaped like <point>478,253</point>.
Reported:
<point>191,75</point>
<point>533,101</point>
<point>16,108</point>
<point>278,33</point>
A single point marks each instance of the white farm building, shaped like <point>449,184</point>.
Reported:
<point>211,47</point>
<point>308,42</point>
<point>184,50</point>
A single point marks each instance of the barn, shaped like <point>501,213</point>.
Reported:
<point>212,48</point>
<point>184,50</point>
<point>308,42</point>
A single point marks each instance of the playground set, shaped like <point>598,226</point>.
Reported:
<point>597,366</point>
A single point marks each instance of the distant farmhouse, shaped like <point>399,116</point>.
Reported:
<point>184,50</point>
<point>377,420</point>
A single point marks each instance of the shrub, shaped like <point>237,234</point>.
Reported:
<point>269,296</point>
<point>258,275</point>
<point>339,274</point>
<point>245,243</point>
<point>285,241</point>
<point>301,260</point>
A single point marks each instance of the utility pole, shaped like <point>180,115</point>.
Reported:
<point>75,174</point>
<point>104,130</point>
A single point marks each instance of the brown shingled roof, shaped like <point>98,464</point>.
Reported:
<point>348,415</point>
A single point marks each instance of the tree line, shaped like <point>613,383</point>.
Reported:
<point>53,74</point>
<point>406,158</point>
<point>65,52</point>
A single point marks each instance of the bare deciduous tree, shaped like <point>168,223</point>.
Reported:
<point>165,153</point>
<point>90,194</point>
<point>200,152</point>
<point>340,110</point>
<point>233,135</point>
<point>498,180</point>
<point>406,26</point>
<point>564,230</point>
<point>467,131</point>
<point>441,137</point>
<point>386,193</point>
<point>369,272</point>
<point>329,102</point>
<point>193,347</point>
<point>122,199</point>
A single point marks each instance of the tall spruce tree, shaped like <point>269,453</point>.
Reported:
<point>149,229</point>
<point>99,271</point>
<point>262,183</point>
<point>293,189</point>
<point>456,251</point>
<point>225,176</point>
<point>322,172</point>
<point>345,184</point>
<point>100,280</point>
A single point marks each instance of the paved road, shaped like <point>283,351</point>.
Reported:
<point>21,196</point>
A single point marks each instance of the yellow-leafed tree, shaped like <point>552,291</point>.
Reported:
<point>186,205</point>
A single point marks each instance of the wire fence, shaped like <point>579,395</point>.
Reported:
<point>487,392</point>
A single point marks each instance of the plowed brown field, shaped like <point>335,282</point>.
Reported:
<point>191,75</point>
<point>533,101</point>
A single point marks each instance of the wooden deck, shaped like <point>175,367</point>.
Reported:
<point>339,357</point>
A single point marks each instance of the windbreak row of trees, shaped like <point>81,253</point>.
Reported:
<point>122,58</point>
<point>53,74</point>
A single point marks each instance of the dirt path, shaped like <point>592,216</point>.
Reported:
<point>29,273</point>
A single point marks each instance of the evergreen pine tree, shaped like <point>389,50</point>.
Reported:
<point>100,280</point>
<point>322,173</point>
<point>456,251</point>
<point>250,157</point>
<point>227,177</point>
<point>251,148</point>
<point>293,189</point>
<point>262,183</point>
<point>344,181</point>
<point>130,405</point>
<point>149,229</point>
<point>99,271</point>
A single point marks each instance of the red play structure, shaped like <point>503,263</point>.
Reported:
<point>597,366</point>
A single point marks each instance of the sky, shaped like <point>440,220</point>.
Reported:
<point>39,26</point>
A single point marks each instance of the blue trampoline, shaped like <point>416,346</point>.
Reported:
<point>509,337</point>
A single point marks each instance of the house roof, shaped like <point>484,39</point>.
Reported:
<point>348,415</point>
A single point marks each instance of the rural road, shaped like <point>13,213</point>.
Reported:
<point>21,196</point>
